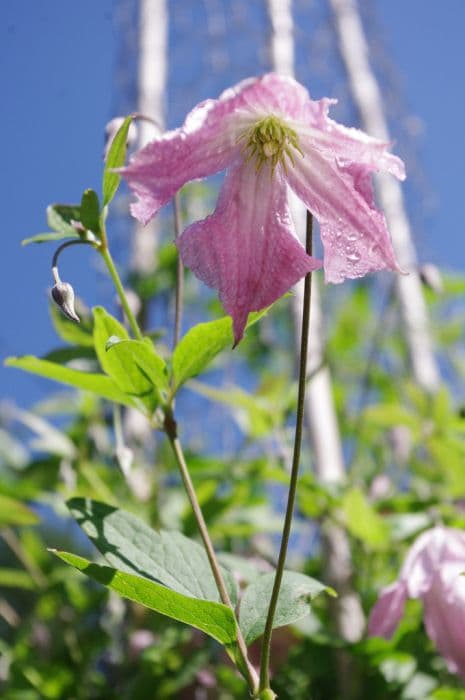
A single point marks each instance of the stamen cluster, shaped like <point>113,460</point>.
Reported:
<point>271,140</point>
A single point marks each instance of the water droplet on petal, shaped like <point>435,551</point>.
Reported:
<point>354,256</point>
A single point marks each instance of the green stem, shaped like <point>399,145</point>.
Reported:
<point>179,273</point>
<point>266,646</point>
<point>106,255</point>
<point>171,432</point>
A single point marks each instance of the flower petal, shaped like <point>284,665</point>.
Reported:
<point>208,140</point>
<point>445,622</point>
<point>388,611</point>
<point>354,234</point>
<point>346,144</point>
<point>247,248</point>
<point>205,144</point>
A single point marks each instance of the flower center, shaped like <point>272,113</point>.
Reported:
<point>271,140</point>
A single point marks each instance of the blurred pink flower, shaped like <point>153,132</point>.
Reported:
<point>269,134</point>
<point>433,572</point>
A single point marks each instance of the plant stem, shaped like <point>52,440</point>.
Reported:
<point>106,255</point>
<point>170,429</point>
<point>179,273</point>
<point>266,646</point>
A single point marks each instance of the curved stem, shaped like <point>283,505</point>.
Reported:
<point>106,255</point>
<point>171,432</point>
<point>60,249</point>
<point>266,646</point>
<point>179,273</point>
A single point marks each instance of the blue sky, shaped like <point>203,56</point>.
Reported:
<point>56,82</point>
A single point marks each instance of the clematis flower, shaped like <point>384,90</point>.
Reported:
<point>269,135</point>
<point>433,572</point>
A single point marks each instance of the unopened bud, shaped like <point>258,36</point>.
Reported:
<point>63,296</point>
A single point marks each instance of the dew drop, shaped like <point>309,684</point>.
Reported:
<point>354,256</point>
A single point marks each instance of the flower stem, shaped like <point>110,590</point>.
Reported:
<point>179,273</point>
<point>106,255</point>
<point>171,432</point>
<point>266,646</point>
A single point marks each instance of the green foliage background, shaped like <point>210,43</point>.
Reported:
<point>65,636</point>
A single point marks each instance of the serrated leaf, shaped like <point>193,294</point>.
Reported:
<point>144,355</point>
<point>48,236</point>
<point>71,332</point>
<point>90,211</point>
<point>115,159</point>
<point>363,521</point>
<point>215,619</point>
<point>202,344</point>
<point>128,544</point>
<point>14,512</point>
<point>60,216</point>
<point>98,384</point>
<point>296,593</point>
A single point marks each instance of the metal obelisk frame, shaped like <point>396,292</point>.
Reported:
<point>367,97</point>
<point>152,70</point>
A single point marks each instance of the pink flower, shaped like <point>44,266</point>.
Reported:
<point>269,134</point>
<point>433,572</point>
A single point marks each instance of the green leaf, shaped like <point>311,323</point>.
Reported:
<point>90,211</point>
<point>297,592</point>
<point>96,383</point>
<point>144,356</point>
<point>215,619</point>
<point>363,521</point>
<point>106,326</point>
<point>115,159</point>
<point>14,512</point>
<point>130,545</point>
<point>48,236</point>
<point>70,331</point>
<point>202,344</point>
<point>120,363</point>
<point>59,217</point>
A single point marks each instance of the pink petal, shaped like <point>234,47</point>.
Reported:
<point>205,144</point>
<point>247,248</point>
<point>439,551</point>
<point>346,144</point>
<point>388,611</point>
<point>420,565</point>
<point>278,94</point>
<point>354,234</point>
<point>208,140</point>
<point>445,622</point>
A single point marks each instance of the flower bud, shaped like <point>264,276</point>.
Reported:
<point>63,296</point>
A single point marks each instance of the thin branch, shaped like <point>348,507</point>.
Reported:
<point>179,293</point>
<point>266,646</point>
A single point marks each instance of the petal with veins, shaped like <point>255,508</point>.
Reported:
<point>354,234</point>
<point>247,248</point>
